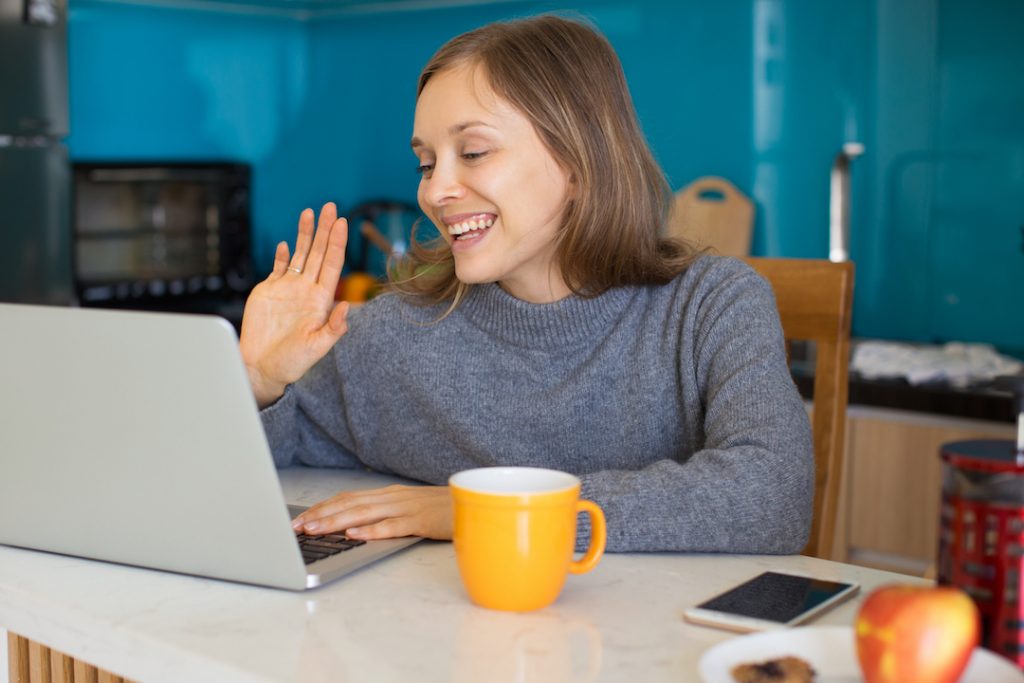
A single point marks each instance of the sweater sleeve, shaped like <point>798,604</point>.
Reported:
<point>308,424</point>
<point>749,489</point>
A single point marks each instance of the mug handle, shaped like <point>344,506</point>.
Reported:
<point>598,536</point>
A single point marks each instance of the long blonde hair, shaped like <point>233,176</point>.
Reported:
<point>566,79</point>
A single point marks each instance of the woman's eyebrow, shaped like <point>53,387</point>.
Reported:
<point>453,130</point>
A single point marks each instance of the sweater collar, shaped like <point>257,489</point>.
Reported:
<point>561,323</point>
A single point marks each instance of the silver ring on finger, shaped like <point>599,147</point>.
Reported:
<point>295,270</point>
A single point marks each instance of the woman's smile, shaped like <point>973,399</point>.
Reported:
<point>465,227</point>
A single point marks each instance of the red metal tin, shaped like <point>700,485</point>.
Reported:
<point>981,542</point>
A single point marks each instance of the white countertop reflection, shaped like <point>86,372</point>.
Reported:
<point>401,619</point>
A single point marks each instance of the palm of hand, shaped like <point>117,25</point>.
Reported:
<point>291,319</point>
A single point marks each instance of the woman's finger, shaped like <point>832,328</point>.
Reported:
<point>334,257</point>
<point>312,516</point>
<point>383,513</point>
<point>366,499</point>
<point>356,516</point>
<point>347,500</point>
<point>328,214</point>
<point>358,507</point>
<point>337,325</point>
<point>302,242</point>
<point>280,261</point>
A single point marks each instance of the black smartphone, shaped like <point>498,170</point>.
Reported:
<point>770,601</point>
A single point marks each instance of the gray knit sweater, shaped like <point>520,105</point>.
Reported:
<point>673,404</point>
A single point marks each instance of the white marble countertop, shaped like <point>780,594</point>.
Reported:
<point>404,618</point>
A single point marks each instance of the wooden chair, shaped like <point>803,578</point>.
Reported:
<point>815,299</point>
<point>712,212</point>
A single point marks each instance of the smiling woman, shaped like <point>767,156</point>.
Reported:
<point>589,159</point>
<point>549,325</point>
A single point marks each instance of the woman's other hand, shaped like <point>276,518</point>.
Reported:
<point>291,319</point>
<point>390,512</point>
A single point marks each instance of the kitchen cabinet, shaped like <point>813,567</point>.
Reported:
<point>892,486</point>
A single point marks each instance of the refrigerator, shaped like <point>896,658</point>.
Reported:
<point>35,178</point>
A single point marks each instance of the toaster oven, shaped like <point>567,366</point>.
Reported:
<point>161,236</point>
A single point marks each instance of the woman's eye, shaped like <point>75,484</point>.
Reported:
<point>470,156</point>
<point>424,169</point>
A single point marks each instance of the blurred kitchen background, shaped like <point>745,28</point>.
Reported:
<point>313,101</point>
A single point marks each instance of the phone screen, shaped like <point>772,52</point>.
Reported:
<point>775,597</point>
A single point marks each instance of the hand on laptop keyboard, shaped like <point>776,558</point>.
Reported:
<point>389,512</point>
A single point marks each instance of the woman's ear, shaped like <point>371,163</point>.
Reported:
<point>573,187</point>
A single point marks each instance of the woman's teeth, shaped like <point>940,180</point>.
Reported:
<point>459,230</point>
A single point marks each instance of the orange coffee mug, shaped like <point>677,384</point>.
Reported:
<point>514,534</point>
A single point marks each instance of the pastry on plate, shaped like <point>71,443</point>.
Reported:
<point>780,670</point>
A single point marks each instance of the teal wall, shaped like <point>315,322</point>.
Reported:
<point>762,92</point>
<point>942,255</point>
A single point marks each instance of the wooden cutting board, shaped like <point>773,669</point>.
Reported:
<point>711,212</point>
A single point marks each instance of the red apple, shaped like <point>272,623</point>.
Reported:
<point>914,633</point>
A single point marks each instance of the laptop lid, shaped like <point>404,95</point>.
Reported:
<point>134,438</point>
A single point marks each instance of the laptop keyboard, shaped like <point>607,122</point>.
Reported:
<point>318,547</point>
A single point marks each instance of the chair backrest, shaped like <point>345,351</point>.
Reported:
<point>712,212</point>
<point>815,299</point>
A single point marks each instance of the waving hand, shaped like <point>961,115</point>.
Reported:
<point>291,319</point>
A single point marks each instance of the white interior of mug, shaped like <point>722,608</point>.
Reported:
<point>513,480</point>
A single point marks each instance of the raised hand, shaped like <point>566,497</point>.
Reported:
<point>291,319</point>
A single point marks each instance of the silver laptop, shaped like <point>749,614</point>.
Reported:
<point>134,438</point>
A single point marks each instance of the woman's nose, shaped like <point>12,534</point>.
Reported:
<point>444,185</point>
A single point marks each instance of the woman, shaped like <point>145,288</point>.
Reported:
<point>550,326</point>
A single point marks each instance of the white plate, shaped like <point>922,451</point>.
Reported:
<point>830,650</point>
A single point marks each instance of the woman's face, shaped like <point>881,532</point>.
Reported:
<point>490,186</point>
